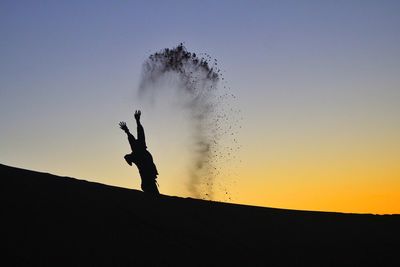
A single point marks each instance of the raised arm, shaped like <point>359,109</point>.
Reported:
<point>140,131</point>
<point>131,138</point>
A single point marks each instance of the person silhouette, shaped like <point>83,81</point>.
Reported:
<point>141,157</point>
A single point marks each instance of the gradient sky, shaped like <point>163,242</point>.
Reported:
<point>318,84</point>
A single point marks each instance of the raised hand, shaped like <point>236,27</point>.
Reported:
<point>123,126</point>
<point>137,115</point>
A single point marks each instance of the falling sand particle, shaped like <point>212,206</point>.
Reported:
<point>197,77</point>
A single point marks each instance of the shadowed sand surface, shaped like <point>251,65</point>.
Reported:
<point>49,220</point>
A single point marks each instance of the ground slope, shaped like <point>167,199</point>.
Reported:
<point>49,220</point>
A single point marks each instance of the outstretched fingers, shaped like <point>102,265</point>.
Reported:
<point>123,126</point>
<point>137,114</point>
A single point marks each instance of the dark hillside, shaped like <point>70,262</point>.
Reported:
<point>49,220</point>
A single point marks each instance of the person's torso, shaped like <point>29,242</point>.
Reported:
<point>144,162</point>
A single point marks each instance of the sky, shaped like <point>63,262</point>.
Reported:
<point>317,84</point>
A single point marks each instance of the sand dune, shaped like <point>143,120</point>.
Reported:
<point>49,220</point>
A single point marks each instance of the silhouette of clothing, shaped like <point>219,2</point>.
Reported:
<point>142,158</point>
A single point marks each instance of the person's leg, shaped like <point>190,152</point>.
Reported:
<point>154,188</point>
<point>150,186</point>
